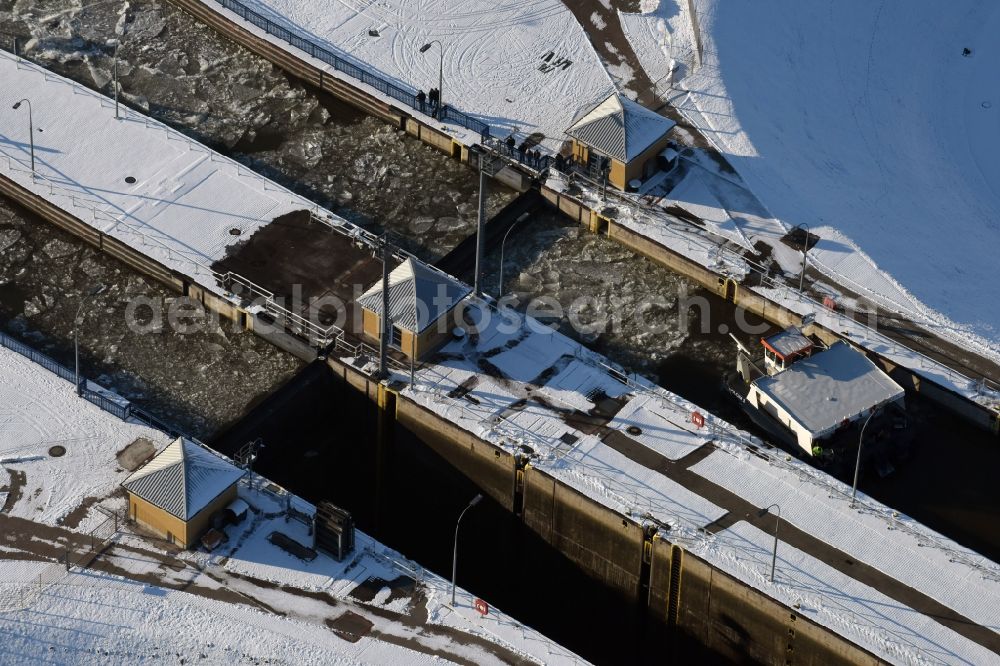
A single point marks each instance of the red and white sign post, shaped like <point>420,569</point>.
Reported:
<point>697,419</point>
<point>482,607</point>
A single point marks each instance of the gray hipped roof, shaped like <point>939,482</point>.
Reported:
<point>418,296</point>
<point>620,128</point>
<point>828,388</point>
<point>182,479</point>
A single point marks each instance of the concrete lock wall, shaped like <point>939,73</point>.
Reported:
<point>63,220</point>
<point>738,621</point>
<point>756,304</point>
<point>735,620</point>
<point>603,543</point>
<point>492,469</point>
<point>434,138</point>
<point>346,91</point>
<point>713,608</point>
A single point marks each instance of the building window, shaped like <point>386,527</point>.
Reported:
<point>396,342</point>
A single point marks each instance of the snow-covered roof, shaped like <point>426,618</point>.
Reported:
<point>182,479</point>
<point>418,295</point>
<point>787,342</point>
<point>822,391</point>
<point>620,128</point>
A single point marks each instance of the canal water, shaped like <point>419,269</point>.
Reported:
<point>623,305</point>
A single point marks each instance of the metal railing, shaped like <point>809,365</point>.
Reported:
<point>407,96</point>
<point>522,157</point>
<point>119,408</point>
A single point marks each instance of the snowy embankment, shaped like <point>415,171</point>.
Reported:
<point>151,624</point>
<point>522,67</point>
<point>866,123</point>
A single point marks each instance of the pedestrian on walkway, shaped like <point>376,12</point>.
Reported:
<point>433,96</point>
<point>510,144</point>
<point>421,100</point>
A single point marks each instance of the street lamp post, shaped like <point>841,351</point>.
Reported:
<point>857,465</point>
<point>118,43</point>
<point>31,131</point>
<point>503,243</point>
<point>76,331</point>
<point>805,249</point>
<point>777,521</point>
<point>454,555</point>
<point>115,70</point>
<point>385,335</point>
<point>424,49</point>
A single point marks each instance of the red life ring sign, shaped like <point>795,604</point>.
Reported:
<point>482,607</point>
<point>697,419</point>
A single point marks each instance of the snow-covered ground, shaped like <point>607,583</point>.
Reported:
<point>39,410</point>
<point>866,534</point>
<point>824,595</point>
<point>193,78</point>
<point>152,624</point>
<point>661,34</point>
<point>863,155</point>
<point>47,613</point>
<point>518,66</point>
<point>866,123</point>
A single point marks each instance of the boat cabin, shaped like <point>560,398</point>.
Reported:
<point>784,348</point>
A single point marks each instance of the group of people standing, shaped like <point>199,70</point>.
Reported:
<point>429,102</point>
<point>532,158</point>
